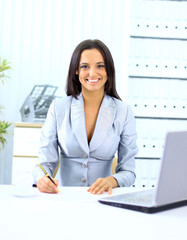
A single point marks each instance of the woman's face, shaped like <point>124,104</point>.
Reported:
<point>92,71</point>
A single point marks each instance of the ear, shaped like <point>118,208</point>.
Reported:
<point>77,73</point>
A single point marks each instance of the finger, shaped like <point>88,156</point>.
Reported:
<point>45,185</point>
<point>106,187</point>
<point>56,182</point>
<point>50,186</point>
<point>94,185</point>
<point>110,190</point>
<point>101,187</point>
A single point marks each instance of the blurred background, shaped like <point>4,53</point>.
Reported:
<point>148,41</point>
<point>39,36</point>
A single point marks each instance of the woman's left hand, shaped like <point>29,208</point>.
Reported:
<point>103,184</point>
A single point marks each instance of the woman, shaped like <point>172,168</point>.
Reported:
<point>88,126</point>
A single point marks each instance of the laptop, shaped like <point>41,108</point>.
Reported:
<point>171,188</point>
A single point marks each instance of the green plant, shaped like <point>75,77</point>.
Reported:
<point>3,131</point>
<point>4,66</point>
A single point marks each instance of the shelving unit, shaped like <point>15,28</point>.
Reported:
<point>157,86</point>
<point>25,152</point>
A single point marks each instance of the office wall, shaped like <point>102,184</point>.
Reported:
<point>38,38</point>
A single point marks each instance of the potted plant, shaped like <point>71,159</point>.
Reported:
<point>6,148</point>
<point>4,66</point>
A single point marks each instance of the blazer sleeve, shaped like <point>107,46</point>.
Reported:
<point>48,155</point>
<point>127,149</point>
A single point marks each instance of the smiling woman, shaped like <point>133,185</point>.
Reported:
<point>89,126</point>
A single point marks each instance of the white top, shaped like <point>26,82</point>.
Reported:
<point>75,214</point>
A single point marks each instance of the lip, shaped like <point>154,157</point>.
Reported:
<point>93,81</point>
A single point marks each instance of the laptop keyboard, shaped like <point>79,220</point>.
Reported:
<point>140,200</point>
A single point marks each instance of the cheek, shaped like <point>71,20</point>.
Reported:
<point>106,77</point>
<point>81,77</point>
<point>105,74</point>
<point>81,73</point>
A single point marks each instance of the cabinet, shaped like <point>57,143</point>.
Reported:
<point>157,83</point>
<point>25,152</point>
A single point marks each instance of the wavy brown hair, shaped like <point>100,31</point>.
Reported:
<point>73,85</point>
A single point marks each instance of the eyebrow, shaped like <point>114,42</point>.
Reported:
<point>88,63</point>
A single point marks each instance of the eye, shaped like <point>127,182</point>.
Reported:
<point>101,66</point>
<point>84,66</point>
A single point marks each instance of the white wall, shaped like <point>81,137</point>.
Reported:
<point>38,38</point>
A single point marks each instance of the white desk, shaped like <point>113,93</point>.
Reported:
<point>75,214</point>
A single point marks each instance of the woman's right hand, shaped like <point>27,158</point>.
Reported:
<point>45,185</point>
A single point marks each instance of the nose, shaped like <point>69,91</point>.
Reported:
<point>92,72</point>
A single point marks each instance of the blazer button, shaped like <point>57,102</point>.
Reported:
<point>84,165</point>
<point>85,155</point>
<point>83,180</point>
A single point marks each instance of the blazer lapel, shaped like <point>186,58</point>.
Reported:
<point>104,122</point>
<point>78,122</point>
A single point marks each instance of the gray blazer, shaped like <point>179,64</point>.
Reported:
<point>81,163</point>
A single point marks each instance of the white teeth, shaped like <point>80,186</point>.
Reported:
<point>95,80</point>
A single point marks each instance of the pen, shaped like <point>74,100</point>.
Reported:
<point>47,175</point>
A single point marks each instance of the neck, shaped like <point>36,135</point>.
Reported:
<point>93,98</point>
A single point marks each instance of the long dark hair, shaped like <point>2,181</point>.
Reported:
<point>73,85</point>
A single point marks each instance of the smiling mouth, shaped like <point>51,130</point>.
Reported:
<point>93,80</point>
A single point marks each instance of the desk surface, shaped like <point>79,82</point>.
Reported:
<point>75,214</point>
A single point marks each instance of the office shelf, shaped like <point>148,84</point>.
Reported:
<point>159,38</point>
<point>157,79</point>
